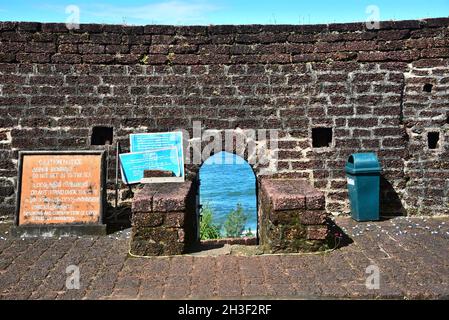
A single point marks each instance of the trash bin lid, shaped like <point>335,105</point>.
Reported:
<point>363,163</point>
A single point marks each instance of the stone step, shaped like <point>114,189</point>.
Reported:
<point>292,194</point>
<point>163,219</point>
<point>292,216</point>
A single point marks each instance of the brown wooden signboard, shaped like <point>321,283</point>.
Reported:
<point>60,188</point>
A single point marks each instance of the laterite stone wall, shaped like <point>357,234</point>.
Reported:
<point>292,217</point>
<point>382,90</point>
<point>164,219</point>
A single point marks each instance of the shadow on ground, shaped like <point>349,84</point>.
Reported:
<point>117,219</point>
<point>337,237</point>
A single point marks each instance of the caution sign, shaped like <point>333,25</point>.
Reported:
<point>60,188</point>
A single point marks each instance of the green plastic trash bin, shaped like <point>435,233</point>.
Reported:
<point>363,177</point>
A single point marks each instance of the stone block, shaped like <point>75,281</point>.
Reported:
<point>163,219</point>
<point>170,196</point>
<point>143,247</point>
<point>157,174</point>
<point>174,219</point>
<point>292,216</point>
<point>142,203</point>
<point>156,219</point>
<point>313,217</point>
<point>284,217</point>
<point>315,200</point>
<point>147,219</point>
<point>317,232</point>
<point>164,197</point>
<point>157,234</point>
<point>284,194</point>
<point>289,194</point>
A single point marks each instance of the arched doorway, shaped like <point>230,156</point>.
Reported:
<point>228,198</point>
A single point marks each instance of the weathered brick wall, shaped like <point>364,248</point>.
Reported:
<point>427,170</point>
<point>367,85</point>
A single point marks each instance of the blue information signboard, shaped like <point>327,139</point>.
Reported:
<point>143,142</point>
<point>153,151</point>
<point>134,164</point>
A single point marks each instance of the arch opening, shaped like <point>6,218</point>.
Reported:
<point>228,198</point>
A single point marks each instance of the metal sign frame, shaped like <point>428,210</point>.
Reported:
<point>102,200</point>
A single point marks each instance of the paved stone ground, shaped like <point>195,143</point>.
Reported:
<point>411,253</point>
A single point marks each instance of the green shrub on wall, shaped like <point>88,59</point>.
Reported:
<point>235,222</point>
<point>233,227</point>
<point>208,230</point>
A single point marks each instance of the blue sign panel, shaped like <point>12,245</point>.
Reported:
<point>149,141</point>
<point>133,165</point>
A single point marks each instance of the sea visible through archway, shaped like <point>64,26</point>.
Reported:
<point>228,197</point>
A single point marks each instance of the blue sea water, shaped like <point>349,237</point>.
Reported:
<point>228,180</point>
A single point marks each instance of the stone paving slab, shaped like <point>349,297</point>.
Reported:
<point>411,253</point>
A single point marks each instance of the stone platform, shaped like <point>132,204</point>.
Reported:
<point>163,219</point>
<point>292,217</point>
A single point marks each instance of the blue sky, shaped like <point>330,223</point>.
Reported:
<point>205,12</point>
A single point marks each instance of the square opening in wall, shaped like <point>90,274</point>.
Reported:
<point>101,136</point>
<point>428,87</point>
<point>321,137</point>
<point>432,139</point>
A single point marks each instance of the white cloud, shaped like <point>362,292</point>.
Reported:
<point>164,12</point>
